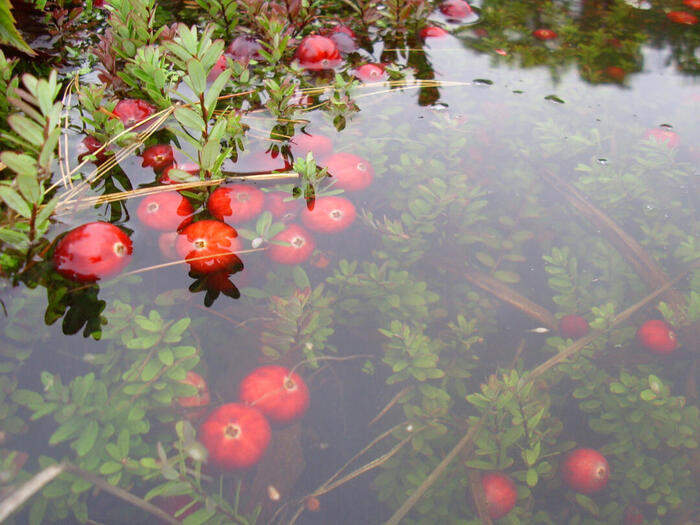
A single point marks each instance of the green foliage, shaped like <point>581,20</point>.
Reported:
<point>8,30</point>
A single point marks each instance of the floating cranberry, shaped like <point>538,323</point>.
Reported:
<point>89,146</point>
<point>455,8</point>
<point>158,157</point>
<point>131,111</point>
<point>693,4</point>
<point>370,73</point>
<point>433,32</point>
<point>277,392</point>
<point>219,67</point>
<point>350,172</point>
<point>329,215</point>
<point>236,203</point>
<point>262,162</point>
<point>657,336</point>
<point>303,143</point>
<point>282,205</point>
<point>235,435</point>
<point>165,211</point>
<point>681,17</point>
<point>663,135</point>
<point>298,245</point>
<point>244,48</point>
<point>585,470</point>
<point>573,326</point>
<point>500,494</point>
<point>316,52</point>
<point>209,246</point>
<point>544,34</point>
<point>615,73</point>
<point>93,251</point>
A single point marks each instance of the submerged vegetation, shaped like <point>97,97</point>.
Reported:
<point>493,272</point>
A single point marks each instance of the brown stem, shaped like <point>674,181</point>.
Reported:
<point>645,266</point>
<point>506,294</point>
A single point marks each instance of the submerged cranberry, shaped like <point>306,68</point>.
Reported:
<point>303,143</point>
<point>244,48</point>
<point>131,111</point>
<point>544,34</point>
<point>573,326</point>
<point>370,73</point>
<point>681,17</point>
<point>236,203</point>
<point>157,157</point>
<point>500,494</point>
<point>316,52</point>
<point>657,336</point>
<point>585,470</point>
<point>663,135</point>
<point>694,4</point>
<point>165,211</point>
<point>93,251</point>
<point>282,205</point>
<point>350,172</point>
<point>433,32</point>
<point>344,38</point>
<point>329,215</point>
<point>455,8</point>
<point>187,167</point>
<point>89,146</point>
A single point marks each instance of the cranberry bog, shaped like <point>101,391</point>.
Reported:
<point>350,262</point>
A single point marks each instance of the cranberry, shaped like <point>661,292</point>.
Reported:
<point>235,435</point>
<point>93,251</point>
<point>573,326</point>
<point>350,172</point>
<point>433,32</point>
<point>200,400</point>
<point>131,111</point>
<point>243,48</point>
<point>633,516</point>
<point>316,52</point>
<point>663,135</point>
<point>298,245</point>
<point>455,8</point>
<point>157,157</point>
<point>187,167</point>
<point>694,4</point>
<point>165,211</point>
<point>89,146</point>
<point>277,392</point>
<point>657,336</point>
<point>282,205</point>
<point>303,143</point>
<point>329,215</point>
<point>209,246</point>
<point>500,494</point>
<point>236,203</point>
<point>681,17</point>
<point>544,34</point>
<point>344,38</point>
<point>615,73</point>
<point>585,470</point>
<point>370,73</point>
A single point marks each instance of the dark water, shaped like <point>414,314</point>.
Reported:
<point>475,181</point>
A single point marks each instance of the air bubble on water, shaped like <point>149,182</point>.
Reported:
<point>256,242</point>
<point>439,106</point>
<point>602,161</point>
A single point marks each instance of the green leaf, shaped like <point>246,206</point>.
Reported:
<point>66,431</point>
<point>166,356</point>
<point>151,370</point>
<point>15,201</point>
<point>189,118</point>
<point>110,467</point>
<point>10,36</point>
<point>531,477</point>
<point>20,163</point>
<point>301,280</point>
<point>87,438</point>
<point>507,276</point>
<point>27,129</point>
<point>175,331</point>
<point>587,503</point>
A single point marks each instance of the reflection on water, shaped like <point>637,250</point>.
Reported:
<point>515,192</point>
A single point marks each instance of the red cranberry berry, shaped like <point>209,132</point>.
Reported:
<point>350,172</point>
<point>657,336</point>
<point>693,4</point>
<point>329,215</point>
<point>663,135</point>
<point>633,516</point>
<point>303,143</point>
<point>455,8</point>
<point>278,393</point>
<point>298,245</point>
<point>131,111</point>
<point>500,494</point>
<point>370,73</point>
<point>157,157</point>
<point>187,167</point>
<point>282,206</point>
<point>344,38</point>
<point>585,470</point>
<point>89,146</point>
<point>544,34</point>
<point>243,48</point>
<point>93,251</point>
<point>165,211</point>
<point>236,203</point>
<point>316,52</point>
<point>433,32</point>
<point>681,17</point>
<point>573,326</point>
<point>209,246</point>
